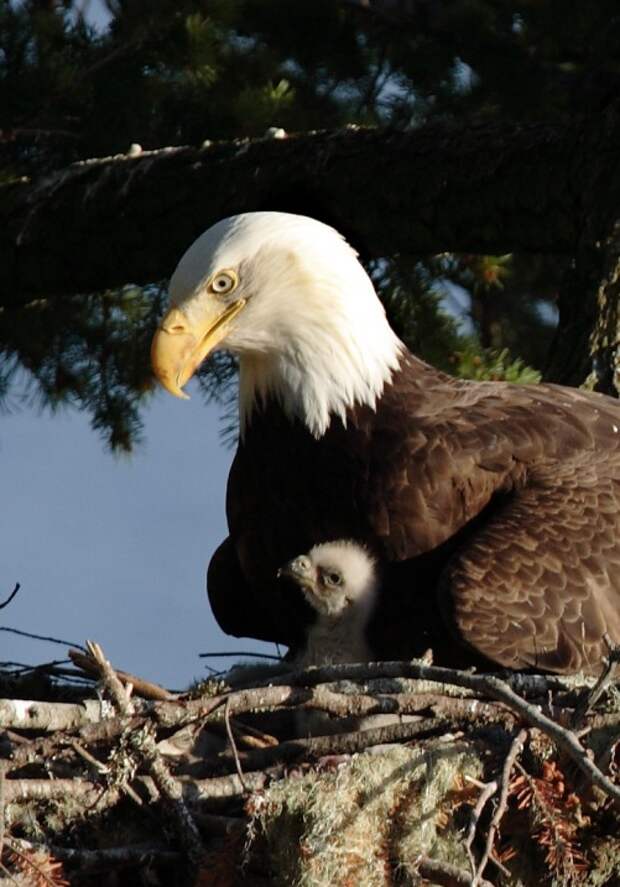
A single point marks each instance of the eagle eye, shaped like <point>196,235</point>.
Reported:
<point>331,577</point>
<point>223,282</point>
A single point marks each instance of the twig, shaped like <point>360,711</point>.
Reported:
<point>101,731</point>
<point>343,743</point>
<point>231,740</point>
<point>489,685</point>
<point>445,874</point>
<point>2,806</point>
<point>513,753</point>
<point>590,697</point>
<point>19,791</point>
<point>145,689</point>
<point>239,653</point>
<point>42,637</point>
<point>251,737</point>
<point>525,684</point>
<point>145,744</point>
<point>488,790</point>
<point>10,597</point>
<point>101,768</point>
<point>120,697</point>
<point>15,738</point>
<point>85,792</point>
<point>53,668</point>
<point>32,714</point>
<point>98,765</point>
<point>89,860</point>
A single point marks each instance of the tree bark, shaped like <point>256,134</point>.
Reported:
<point>481,187</point>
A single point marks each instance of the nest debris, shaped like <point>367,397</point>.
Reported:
<point>441,777</point>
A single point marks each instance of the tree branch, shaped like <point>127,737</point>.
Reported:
<point>144,743</point>
<point>478,187</point>
<point>10,597</point>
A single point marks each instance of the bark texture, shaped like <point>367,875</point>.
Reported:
<point>481,187</point>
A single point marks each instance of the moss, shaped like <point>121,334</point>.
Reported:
<point>367,820</point>
<point>605,872</point>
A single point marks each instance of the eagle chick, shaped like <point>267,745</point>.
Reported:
<point>340,582</point>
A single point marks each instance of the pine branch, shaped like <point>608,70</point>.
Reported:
<point>362,180</point>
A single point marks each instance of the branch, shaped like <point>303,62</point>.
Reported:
<point>40,637</point>
<point>86,793</point>
<point>177,713</point>
<point>486,685</point>
<point>142,688</point>
<point>144,743</point>
<point>591,697</point>
<point>445,874</point>
<point>107,858</point>
<point>487,791</point>
<point>344,743</point>
<point>10,597</point>
<point>477,187</point>
<point>233,745</point>
<point>26,714</point>
<point>513,753</point>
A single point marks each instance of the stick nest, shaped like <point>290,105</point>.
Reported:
<point>423,775</point>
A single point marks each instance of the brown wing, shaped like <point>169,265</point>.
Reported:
<point>539,585</point>
<point>276,612</point>
<point>408,479</point>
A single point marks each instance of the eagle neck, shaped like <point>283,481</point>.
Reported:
<point>320,378</point>
<point>333,640</point>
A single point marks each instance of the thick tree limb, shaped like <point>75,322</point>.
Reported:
<point>24,714</point>
<point>479,187</point>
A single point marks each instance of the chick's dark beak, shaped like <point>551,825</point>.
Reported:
<point>299,570</point>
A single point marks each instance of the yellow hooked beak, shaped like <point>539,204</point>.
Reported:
<point>179,347</point>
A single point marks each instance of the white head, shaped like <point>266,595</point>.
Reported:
<point>337,579</point>
<point>287,295</point>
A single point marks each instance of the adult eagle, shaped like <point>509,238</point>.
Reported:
<point>494,508</point>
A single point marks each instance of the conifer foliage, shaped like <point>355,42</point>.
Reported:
<point>84,79</point>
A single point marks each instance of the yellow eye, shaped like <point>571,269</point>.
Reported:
<point>223,282</point>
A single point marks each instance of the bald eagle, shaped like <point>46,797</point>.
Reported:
<point>340,581</point>
<point>495,507</point>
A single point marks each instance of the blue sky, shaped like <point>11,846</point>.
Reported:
<point>115,549</point>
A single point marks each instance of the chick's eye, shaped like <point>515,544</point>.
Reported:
<point>224,282</point>
<point>333,578</point>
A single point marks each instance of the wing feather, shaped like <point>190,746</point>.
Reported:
<point>513,491</point>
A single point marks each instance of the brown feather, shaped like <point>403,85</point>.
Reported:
<point>495,508</point>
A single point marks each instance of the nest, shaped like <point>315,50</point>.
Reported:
<point>423,775</point>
